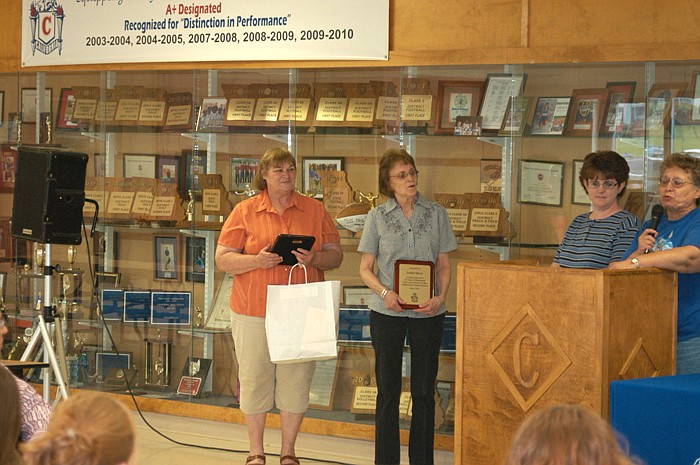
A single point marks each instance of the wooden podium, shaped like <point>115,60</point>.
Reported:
<point>532,336</point>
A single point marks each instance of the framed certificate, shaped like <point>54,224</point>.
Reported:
<point>137,306</point>
<point>219,316</point>
<point>578,193</point>
<point>540,182</point>
<point>499,89</point>
<point>414,281</point>
<point>323,384</point>
<point>139,166</point>
<point>30,102</point>
<point>356,296</point>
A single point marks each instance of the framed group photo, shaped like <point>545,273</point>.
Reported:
<point>541,182</point>
<point>166,258</point>
<point>311,177</point>
<point>456,99</point>
<point>243,169</point>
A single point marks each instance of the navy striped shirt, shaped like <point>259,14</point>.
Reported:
<point>596,243</point>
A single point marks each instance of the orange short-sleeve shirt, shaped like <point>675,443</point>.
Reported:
<point>254,224</point>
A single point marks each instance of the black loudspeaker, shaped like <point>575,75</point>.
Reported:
<point>49,195</point>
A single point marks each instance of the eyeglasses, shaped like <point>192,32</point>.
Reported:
<point>595,184</point>
<point>675,182</point>
<point>403,175</point>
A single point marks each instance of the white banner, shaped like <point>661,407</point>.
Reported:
<point>67,32</point>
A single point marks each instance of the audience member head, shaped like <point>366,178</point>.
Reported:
<point>566,435</point>
<point>90,428</point>
<point>10,419</point>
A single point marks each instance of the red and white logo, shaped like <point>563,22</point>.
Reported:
<point>46,17</point>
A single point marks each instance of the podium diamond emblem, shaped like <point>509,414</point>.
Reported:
<point>527,357</point>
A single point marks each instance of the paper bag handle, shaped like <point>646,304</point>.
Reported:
<point>306,277</point>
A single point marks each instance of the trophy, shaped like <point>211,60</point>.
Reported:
<point>71,283</point>
<point>190,206</point>
<point>158,361</point>
<point>199,316</point>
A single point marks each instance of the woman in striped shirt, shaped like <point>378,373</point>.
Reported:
<point>601,236</point>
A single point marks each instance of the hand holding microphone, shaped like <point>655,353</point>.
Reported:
<point>656,213</point>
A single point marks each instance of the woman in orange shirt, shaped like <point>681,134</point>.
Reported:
<point>244,250</point>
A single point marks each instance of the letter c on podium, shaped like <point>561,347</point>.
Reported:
<point>534,338</point>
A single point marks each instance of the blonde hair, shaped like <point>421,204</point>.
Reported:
<point>272,157</point>
<point>566,434</point>
<point>90,428</point>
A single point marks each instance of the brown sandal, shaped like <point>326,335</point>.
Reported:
<point>250,458</point>
<point>289,458</point>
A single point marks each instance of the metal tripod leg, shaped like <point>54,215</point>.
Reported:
<point>59,369</point>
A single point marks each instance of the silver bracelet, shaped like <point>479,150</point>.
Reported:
<point>384,293</point>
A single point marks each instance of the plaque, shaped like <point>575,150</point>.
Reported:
<point>364,396</point>
<point>143,197</point>
<point>128,104</point>
<point>490,175</point>
<point>152,112</point>
<point>214,196</point>
<point>121,198</point>
<point>414,281</point>
<point>166,203</point>
<point>268,102</point>
<point>362,104</point>
<point>386,118</point>
<point>107,108</point>
<point>178,113</point>
<point>416,100</point>
<point>194,376</point>
<point>296,107</point>
<point>457,211</point>
<point>331,104</point>
<point>240,104</point>
<point>171,308</point>
<point>86,99</point>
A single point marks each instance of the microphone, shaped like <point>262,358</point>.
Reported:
<point>657,212</point>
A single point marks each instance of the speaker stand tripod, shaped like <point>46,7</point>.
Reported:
<point>57,363</point>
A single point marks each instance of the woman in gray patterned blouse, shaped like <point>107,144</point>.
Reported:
<point>407,227</point>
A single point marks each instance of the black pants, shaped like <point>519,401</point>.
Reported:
<point>425,337</point>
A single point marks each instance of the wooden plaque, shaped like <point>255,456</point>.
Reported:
<point>414,281</point>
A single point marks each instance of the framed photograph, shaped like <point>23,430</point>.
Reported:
<point>6,253</point>
<point>8,168</point>
<point>196,250</point>
<point>29,103</point>
<point>168,169</point>
<point>219,316</point>
<point>578,193</point>
<point>659,103</point>
<point>586,111</point>
<point>541,182</point>
<point>356,296</point>
<point>139,166</point>
<point>171,308</point>
<point>166,258</point>
<point>456,98</point>
<point>310,176</point>
<point>516,116</point>
<point>243,169</point>
<point>211,114</point>
<point>64,116</point>
<point>2,107</point>
<point>695,95</point>
<point>618,92</point>
<point>499,89</point>
<point>189,171</point>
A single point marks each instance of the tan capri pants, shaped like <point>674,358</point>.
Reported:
<point>264,384</point>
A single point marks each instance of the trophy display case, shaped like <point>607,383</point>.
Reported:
<point>498,146</point>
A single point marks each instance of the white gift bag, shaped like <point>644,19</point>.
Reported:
<point>302,320</point>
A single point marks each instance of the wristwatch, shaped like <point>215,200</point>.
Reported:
<point>635,262</point>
